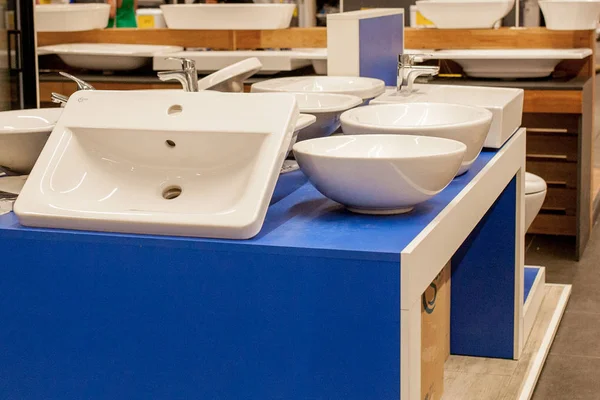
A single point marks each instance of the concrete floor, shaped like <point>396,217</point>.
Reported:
<point>572,370</point>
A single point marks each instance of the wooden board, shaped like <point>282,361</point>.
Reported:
<point>503,38</point>
<point>472,378</point>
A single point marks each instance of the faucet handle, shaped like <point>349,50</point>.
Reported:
<point>81,84</point>
<point>186,63</point>
<point>411,59</point>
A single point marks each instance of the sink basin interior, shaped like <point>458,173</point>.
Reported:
<point>166,163</point>
<point>108,167</point>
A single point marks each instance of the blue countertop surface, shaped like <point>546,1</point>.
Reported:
<point>303,221</point>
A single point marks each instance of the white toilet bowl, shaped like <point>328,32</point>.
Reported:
<point>535,193</point>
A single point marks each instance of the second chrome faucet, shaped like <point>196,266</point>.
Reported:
<point>408,71</point>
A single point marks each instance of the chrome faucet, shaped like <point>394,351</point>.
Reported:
<point>81,85</point>
<point>408,71</point>
<point>187,75</point>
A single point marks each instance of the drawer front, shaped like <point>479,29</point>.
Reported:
<point>550,224</point>
<point>557,123</point>
<point>561,201</point>
<point>544,145</point>
<point>555,173</point>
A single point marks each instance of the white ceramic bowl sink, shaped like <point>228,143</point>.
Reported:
<point>510,63</point>
<point>365,88</point>
<point>23,134</point>
<point>303,123</point>
<point>71,17</point>
<point>228,16</point>
<point>469,125</point>
<point>327,108</point>
<point>464,14</point>
<point>231,78</point>
<point>571,14</point>
<point>505,104</point>
<point>380,174</point>
<point>107,56</point>
<point>173,163</point>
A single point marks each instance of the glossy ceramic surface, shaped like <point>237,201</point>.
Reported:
<point>172,163</point>
<point>510,63</point>
<point>365,88</point>
<point>228,16</point>
<point>231,78</point>
<point>469,125</point>
<point>505,104</point>
<point>23,134</point>
<point>71,17</point>
<point>571,14</point>
<point>327,108</point>
<point>380,174</point>
<point>107,56</point>
<point>465,14</point>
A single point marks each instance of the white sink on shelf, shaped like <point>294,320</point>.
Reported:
<point>107,56</point>
<point>510,63</point>
<point>228,16</point>
<point>571,14</point>
<point>173,163</point>
<point>465,14</point>
<point>505,104</point>
<point>273,61</point>
<point>23,134</point>
<point>380,174</point>
<point>71,17</point>
<point>469,125</point>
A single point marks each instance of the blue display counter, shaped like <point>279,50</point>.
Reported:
<point>322,304</point>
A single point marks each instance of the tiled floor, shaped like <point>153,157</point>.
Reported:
<point>572,370</point>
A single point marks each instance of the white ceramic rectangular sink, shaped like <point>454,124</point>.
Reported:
<point>168,162</point>
<point>505,104</point>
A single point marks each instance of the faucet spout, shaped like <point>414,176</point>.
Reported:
<point>421,71</point>
<point>187,75</point>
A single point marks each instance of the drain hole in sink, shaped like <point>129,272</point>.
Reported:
<point>175,109</point>
<point>170,143</point>
<point>172,192</point>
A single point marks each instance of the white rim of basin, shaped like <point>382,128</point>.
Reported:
<point>326,102</point>
<point>511,54</point>
<point>365,88</point>
<point>109,49</point>
<point>240,70</point>
<point>37,120</point>
<point>304,120</point>
<point>351,117</point>
<point>327,149</point>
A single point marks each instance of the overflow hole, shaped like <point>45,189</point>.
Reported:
<point>170,143</point>
<point>172,192</point>
<point>175,109</point>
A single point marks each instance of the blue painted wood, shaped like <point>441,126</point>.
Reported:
<point>483,281</point>
<point>530,275</point>
<point>100,320</point>
<point>379,58</point>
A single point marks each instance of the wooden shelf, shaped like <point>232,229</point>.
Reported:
<point>317,37</point>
